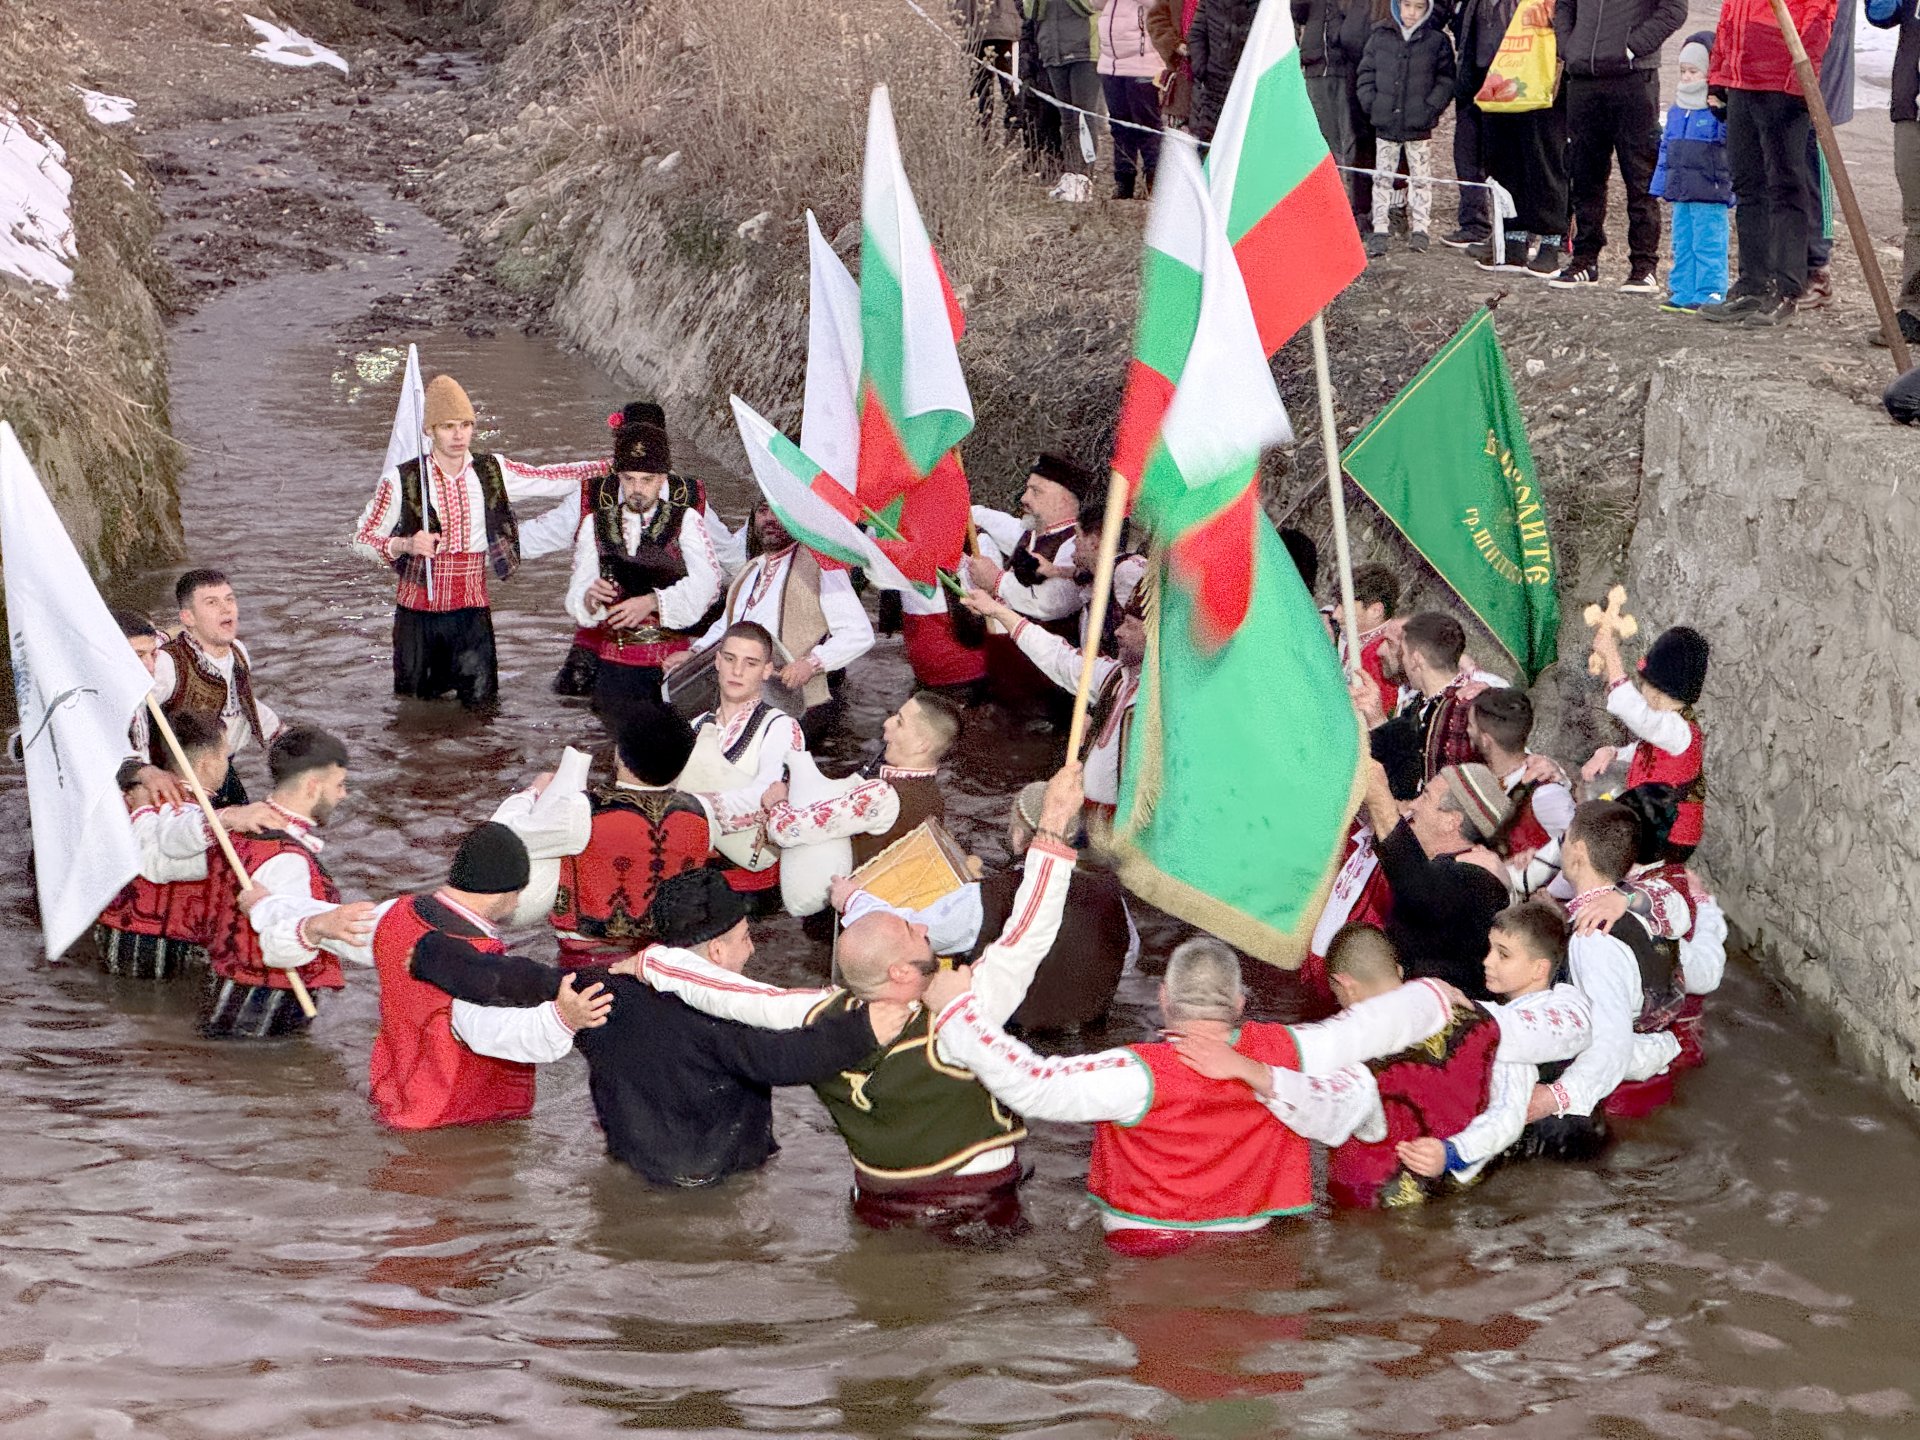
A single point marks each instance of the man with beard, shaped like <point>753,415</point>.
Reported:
<point>205,668</point>
<point>810,609</point>
<point>1430,730</point>
<point>1040,576</point>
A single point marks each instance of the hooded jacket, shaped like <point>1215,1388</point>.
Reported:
<point>1405,80</point>
<point>1063,30</point>
<point>1614,37</point>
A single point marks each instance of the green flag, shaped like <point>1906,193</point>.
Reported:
<point>1448,463</point>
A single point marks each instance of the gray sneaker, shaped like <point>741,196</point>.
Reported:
<point>1417,241</point>
<point>1734,307</point>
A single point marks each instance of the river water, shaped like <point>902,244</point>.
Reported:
<point>214,1240</point>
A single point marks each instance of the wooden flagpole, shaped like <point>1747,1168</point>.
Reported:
<point>1843,186</point>
<point>296,984</point>
<point>1110,524</point>
<point>1336,491</point>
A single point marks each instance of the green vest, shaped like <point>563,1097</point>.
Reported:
<point>907,1116</point>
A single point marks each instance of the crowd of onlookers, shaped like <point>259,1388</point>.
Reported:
<point>1735,151</point>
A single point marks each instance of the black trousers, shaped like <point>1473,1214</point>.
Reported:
<point>250,1012</point>
<point>435,651</point>
<point>1609,118</point>
<point>1777,207</point>
<point>1468,164</point>
<point>619,687</point>
<point>1527,153</point>
<point>1136,153</point>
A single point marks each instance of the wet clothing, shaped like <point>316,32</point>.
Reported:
<point>440,651</point>
<point>156,927</point>
<point>641,837</point>
<point>1443,910</point>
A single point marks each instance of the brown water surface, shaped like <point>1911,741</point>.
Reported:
<point>208,1240</point>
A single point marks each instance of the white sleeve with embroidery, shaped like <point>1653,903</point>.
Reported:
<point>1112,1085</point>
<point>1054,598</point>
<point>165,677</point>
<point>1664,728</point>
<point>1703,959</point>
<point>1652,1054</point>
<point>1333,1108</point>
<point>1609,977</point>
<point>547,482</point>
<point>686,600</point>
<point>1535,1029</point>
<point>532,1034</point>
<point>173,843</point>
<point>586,570</point>
<point>1384,1025</point>
<point>1004,530</point>
<point>1666,910</point>
<point>281,948</point>
<point>729,546</point>
<point>1057,660</point>
<point>849,631</point>
<point>1553,808</point>
<point>1006,967</point>
<point>1499,1125</point>
<point>953,921</point>
<point>870,808</point>
<point>551,531</point>
<point>739,808</point>
<point>715,990</point>
<point>378,519</point>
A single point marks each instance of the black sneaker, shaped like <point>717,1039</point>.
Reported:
<point>1417,241</point>
<point>1376,246</point>
<point>1463,238</point>
<point>1546,262</point>
<point>1779,311</point>
<point>1909,329</point>
<point>1638,282</point>
<point>1576,274</point>
<point>1515,263</point>
<point>1734,307</point>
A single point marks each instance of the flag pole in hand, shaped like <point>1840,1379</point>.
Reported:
<point>1336,491</point>
<point>1116,514</point>
<point>165,731</point>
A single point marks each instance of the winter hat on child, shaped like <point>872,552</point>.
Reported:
<point>1676,664</point>
<point>492,860</point>
<point>695,907</point>
<point>446,402</point>
<point>1692,95</point>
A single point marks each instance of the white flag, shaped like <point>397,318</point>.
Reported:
<point>77,683</point>
<point>409,439</point>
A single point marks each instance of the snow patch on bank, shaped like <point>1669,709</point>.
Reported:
<point>289,47</point>
<point>1872,63</point>
<point>107,109</point>
<point>36,205</point>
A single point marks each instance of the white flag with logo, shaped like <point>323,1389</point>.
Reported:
<point>408,441</point>
<point>77,683</point>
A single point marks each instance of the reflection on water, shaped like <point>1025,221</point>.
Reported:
<point>217,1241</point>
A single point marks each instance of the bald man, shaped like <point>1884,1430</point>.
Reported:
<point>929,1143</point>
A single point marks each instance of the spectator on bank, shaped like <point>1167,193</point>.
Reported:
<point>1475,44</point>
<point>993,28</point>
<point>1167,24</point>
<point>1128,64</point>
<point>1214,42</point>
<point>1905,113</point>
<point>1693,178</point>
<point>1404,82</point>
<point>1767,124</point>
<point>1063,40</point>
<point>1328,66</point>
<point>1836,90</point>
<point>1611,51</point>
<point>1525,151</point>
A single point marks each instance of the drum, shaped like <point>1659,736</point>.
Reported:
<point>922,866</point>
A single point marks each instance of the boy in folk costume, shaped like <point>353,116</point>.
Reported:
<point>1669,747</point>
<point>740,752</point>
<point>1376,595</point>
<point>1499,723</point>
<point>206,668</point>
<point>444,640</point>
<point>291,919</point>
<point>811,608</point>
<point>1700,932</point>
<point>644,569</point>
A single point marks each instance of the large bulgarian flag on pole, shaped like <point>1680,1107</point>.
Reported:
<point>914,406</point>
<point>1242,772</point>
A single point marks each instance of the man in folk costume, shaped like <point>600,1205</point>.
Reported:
<point>644,569</point>
<point>160,783</point>
<point>1499,721</point>
<point>740,752</point>
<point>1097,941</point>
<point>1040,576</point>
<point>206,668</point>
<point>432,1061</point>
<point>929,1143</point>
<point>156,926</point>
<point>820,623</point>
<point>1429,732</point>
<point>1376,595</point>
<point>467,529</point>
<point>645,830</point>
<point>291,919</point>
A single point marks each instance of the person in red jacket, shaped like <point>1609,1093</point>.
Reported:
<point>1752,75</point>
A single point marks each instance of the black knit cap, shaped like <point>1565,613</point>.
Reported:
<point>1063,472</point>
<point>1676,664</point>
<point>654,741</point>
<point>492,860</point>
<point>642,447</point>
<point>695,907</point>
<point>1656,807</point>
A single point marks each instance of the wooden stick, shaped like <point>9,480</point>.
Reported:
<point>1097,607</point>
<point>298,986</point>
<point>1843,186</point>
<point>1336,492</point>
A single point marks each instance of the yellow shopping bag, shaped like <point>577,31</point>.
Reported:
<point>1525,70</point>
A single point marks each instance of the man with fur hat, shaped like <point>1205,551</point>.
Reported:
<point>644,568</point>
<point>1669,747</point>
<point>1040,576</point>
<point>443,546</point>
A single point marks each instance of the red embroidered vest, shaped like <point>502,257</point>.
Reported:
<point>177,910</point>
<point>423,1077</point>
<point>1526,832</point>
<point>1687,772</point>
<point>233,947</point>
<point>1430,1090</point>
<point>1208,1151</point>
<point>640,839</point>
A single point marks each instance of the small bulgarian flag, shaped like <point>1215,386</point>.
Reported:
<point>817,510</point>
<point>1277,189</point>
<point>914,406</point>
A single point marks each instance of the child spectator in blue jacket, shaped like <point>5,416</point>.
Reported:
<point>1693,177</point>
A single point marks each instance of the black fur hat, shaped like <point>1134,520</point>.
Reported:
<point>695,907</point>
<point>1063,472</point>
<point>1676,664</point>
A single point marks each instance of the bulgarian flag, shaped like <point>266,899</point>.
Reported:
<point>830,409</point>
<point>816,509</point>
<point>1242,770</point>
<point>1276,187</point>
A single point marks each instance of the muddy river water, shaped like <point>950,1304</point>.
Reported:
<point>199,1240</point>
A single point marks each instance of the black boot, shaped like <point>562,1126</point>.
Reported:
<point>577,672</point>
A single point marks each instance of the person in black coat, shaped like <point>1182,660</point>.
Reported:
<point>1214,42</point>
<point>1404,83</point>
